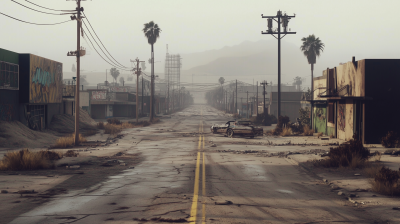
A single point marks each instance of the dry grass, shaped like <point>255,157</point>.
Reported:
<point>27,160</point>
<point>386,182</point>
<point>69,141</point>
<point>112,129</point>
<point>372,170</point>
<point>320,134</point>
<point>287,132</point>
<point>71,153</point>
<point>100,125</point>
<point>331,136</point>
<point>307,131</point>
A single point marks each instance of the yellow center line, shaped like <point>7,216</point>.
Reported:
<point>203,199</point>
<point>193,211</point>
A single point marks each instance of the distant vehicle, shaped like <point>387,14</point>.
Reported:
<point>237,128</point>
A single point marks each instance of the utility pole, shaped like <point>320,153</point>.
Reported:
<point>257,101</point>
<point>264,93</point>
<point>78,53</point>
<point>236,96</point>
<point>137,72</point>
<point>284,19</point>
<point>142,95</point>
<point>233,102</point>
<point>226,101</point>
<point>247,105</point>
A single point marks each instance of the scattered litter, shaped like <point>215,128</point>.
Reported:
<point>27,192</point>
<point>357,174</point>
<point>340,193</point>
<point>131,167</point>
<point>4,191</point>
<point>325,180</point>
<point>79,172</point>
<point>73,167</point>
<point>122,164</point>
<point>396,208</point>
<point>119,154</point>
<point>213,145</point>
<point>224,203</point>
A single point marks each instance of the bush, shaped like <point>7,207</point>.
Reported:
<point>100,125</point>
<point>307,131</point>
<point>69,141</point>
<point>391,140</point>
<point>27,160</point>
<point>71,153</point>
<point>112,129</point>
<point>353,155</point>
<point>113,121</point>
<point>283,121</point>
<point>287,132</point>
<point>304,116</point>
<point>386,182</point>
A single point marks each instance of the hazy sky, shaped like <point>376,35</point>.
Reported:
<point>363,28</point>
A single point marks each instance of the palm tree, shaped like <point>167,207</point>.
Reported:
<point>152,32</point>
<point>312,48</point>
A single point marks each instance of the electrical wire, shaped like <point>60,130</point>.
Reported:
<point>99,39</point>
<point>48,8</point>
<point>114,64</point>
<point>39,24</point>
<point>59,14</point>
<point>100,54</point>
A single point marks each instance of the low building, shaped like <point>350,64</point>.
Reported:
<point>358,98</point>
<point>31,89</point>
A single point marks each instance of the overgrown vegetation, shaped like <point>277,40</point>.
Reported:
<point>352,154</point>
<point>304,116</point>
<point>391,140</point>
<point>236,116</point>
<point>71,153</point>
<point>386,182</point>
<point>69,141</point>
<point>100,125</point>
<point>307,131</point>
<point>113,121</point>
<point>27,160</point>
<point>287,132</point>
<point>262,119</point>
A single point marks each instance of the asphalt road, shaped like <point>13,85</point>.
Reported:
<point>183,177</point>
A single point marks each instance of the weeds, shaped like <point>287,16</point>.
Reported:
<point>320,134</point>
<point>27,160</point>
<point>307,131</point>
<point>353,155</point>
<point>113,121</point>
<point>100,125</point>
<point>69,141</point>
<point>287,132</point>
<point>112,129</point>
<point>386,182</point>
<point>391,140</point>
<point>71,153</point>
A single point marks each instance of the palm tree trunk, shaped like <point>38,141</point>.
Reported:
<point>152,84</point>
<point>312,95</point>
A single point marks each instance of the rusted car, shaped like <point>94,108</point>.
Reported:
<point>237,128</point>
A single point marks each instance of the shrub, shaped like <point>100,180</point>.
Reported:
<point>112,129</point>
<point>113,121</point>
<point>391,140</point>
<point>304,116</point>
<point>320,134</point>
<point>287,132</point>
<point>71,153</point>
<point>386,182</point>
<point>100,125</point>
<point>283,121</point>
<point>353,155</point>
<point>307,131</point>
<point>27,160</point>
<point>69,141</point>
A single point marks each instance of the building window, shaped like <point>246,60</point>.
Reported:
<point>9,76</point>
<point>331,113</point>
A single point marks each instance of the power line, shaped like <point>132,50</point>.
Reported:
<point>99,39</point>
<point>48,8</point>
<point>35,9</point>
<point>102,49</point>
<point>100,54</point>
<point>39,24</point>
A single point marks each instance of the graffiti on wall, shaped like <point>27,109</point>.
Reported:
<point>69,90</point>
<point>119,89</point>
<point>6,112</point>
<point>342,117</point>
<point>320,119</point>
<point>99,95</point>
<point>45,80</point>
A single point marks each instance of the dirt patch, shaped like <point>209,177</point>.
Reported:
<point>65,123</point>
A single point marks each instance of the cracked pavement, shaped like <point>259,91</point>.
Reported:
<point>231,188</point>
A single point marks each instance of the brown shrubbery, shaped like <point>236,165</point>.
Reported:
<point>27,160</point>
<point>307,131</point>
<point>69,141</point>
<point>100,125</point>
<point>391,140</point>
<point>353,155</point>
<point>386,182</point>
<point>113,121</point>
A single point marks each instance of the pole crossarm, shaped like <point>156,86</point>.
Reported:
<point>262,32</point>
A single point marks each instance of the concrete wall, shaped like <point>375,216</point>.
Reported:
<point>290,104</point>
<point>99,111</point>
<point>84,99</point>
<point>53,109</point>
<point>319,87</point>
<point>352,74</point>
<point>109,110</point>
<point>69,107</point>
<point>345,118</point>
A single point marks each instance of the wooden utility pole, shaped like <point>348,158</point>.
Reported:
<point>78,53</point>
<point>247,105</point>
<point>142,95</point>
<point>137,72</point>
<point>257,101</point>
<point>284,20</point>
<point>236,96</point>
<point>264,93</point>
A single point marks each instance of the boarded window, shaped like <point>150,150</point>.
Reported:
<point>9,76</point>
<point>331,113</point>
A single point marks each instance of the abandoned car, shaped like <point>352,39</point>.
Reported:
<point>237,128</point>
